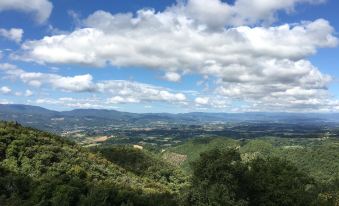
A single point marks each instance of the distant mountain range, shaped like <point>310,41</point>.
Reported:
<point>42,118</point>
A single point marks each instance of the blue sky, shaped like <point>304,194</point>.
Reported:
<point>169,56</point>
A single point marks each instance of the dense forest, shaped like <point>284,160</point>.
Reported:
<point>39,168</point>
<point>317,157</point>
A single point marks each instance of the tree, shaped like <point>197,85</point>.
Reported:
<point>275,181</point>
<point>221,178</point>
<point>217,179</point>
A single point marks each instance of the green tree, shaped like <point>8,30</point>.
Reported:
<point>217,179</point>
<point>277,182</point>
<point>221,178</point>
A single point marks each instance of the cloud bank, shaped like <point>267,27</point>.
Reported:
<point>250,59</point>
<point>116,91</point>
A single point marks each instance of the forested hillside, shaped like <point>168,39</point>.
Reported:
<point>318,157</point>
<point>38,168</point>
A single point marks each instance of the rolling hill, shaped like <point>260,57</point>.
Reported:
<point>314,156</point>
<point>38,168</point>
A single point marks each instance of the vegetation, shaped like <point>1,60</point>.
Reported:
<point>220,177</point>
<point>38,168</point>
<point>193,148</point>
<point>144,164</point>
<point>314,156</point>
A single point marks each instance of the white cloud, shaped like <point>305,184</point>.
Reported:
<point>215,14</point>
<point>252,11</point>
<point>124,40</point>
<point>13,34</point>
<point>78,83</point>
<point>201,100</point>
<point>172,76</point>
<point>212,13</point>
<point>41,9</point>
<point>133,92</point>
<point>8,90</point>
<point>243,58</point>
<point>250,60</point>
<point>27,93</point>
<point>278,80</point>
<point>5,90</point>
<point>120,91</point>
<point>122,100</point>
<point>215,101</point>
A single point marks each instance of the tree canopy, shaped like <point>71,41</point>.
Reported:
<point>39,168</point>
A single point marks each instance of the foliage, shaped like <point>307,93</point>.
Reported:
<point>220,177</point>
<point>145,164</point>
<point>314,156</point>
<point>39,168</point>
<point>274,181</point>
<point>195,147</point>
<point>58,172</point>
<point>217,179</point>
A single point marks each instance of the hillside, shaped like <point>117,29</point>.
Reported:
<point>314,156</point>
<point>38,168</point>
<point>193,148</point>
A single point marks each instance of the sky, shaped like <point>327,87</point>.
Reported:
<point>171,56</point>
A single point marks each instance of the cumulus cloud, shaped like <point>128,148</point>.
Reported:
<point>172,76</point>
<point>251,60</point>
<point>5,90</point>
<point>134,92</point>
<point>215,101</point>
<point>13,34</point>
<point>201,100</point>
<point>215,14</point>
<point>124,40</point>
<point>78,83</point>
<point>41,9</point>
<point>280,84</point>
<point>120,91</point>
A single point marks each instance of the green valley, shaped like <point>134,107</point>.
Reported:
<point>39,168</point>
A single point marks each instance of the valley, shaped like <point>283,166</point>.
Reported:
<point>156,159</point>
<point>92,127</point>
